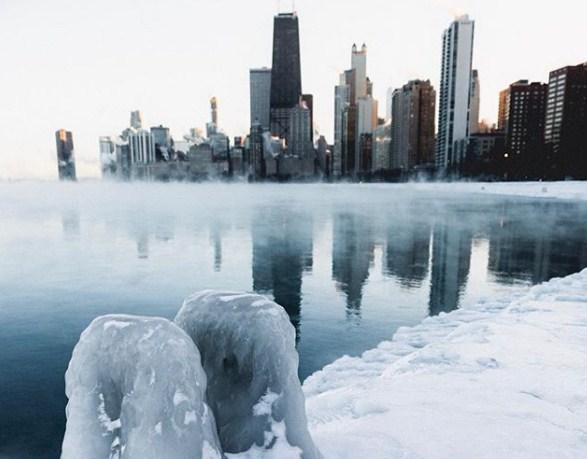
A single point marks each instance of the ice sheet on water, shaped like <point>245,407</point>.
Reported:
<point>136,390</point>
<point>248,351</point>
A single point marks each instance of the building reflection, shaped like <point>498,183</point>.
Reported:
<point>550,243</point>
<point>352,256</point>
<point>282,251</point>
<point>216,234</point>
<point>451,261</point>
<point>407,252</point>
<point>70,221</point>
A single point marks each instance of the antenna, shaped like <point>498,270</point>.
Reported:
<point>293,6</point>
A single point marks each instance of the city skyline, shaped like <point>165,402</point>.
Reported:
<point>88,90</point>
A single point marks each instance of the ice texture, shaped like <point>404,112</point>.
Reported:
<point>248,351</point>
<point>136,390</point>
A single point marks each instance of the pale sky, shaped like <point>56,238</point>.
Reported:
<point>84,65</point>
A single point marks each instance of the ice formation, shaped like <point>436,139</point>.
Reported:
<point>248,351</point>
<point>136,390</point>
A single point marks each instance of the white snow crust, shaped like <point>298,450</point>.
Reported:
<point>504,379</point>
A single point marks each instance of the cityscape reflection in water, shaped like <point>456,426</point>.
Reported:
<point>349,264</point>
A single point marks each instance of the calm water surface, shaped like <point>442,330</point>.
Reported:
<point>350,264</point>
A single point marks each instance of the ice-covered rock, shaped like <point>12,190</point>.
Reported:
<point>247,344</point>
<point>136,390</point>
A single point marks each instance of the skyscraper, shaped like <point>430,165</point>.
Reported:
<point>300,132</point>
<point>366,111</point>
<point>475,103</point>
<point>526,109</point>
<point>136,120</point>
<point>142,147</point>
<point>286,77</point>
<point>565,132</point>
<point>260,85</point>
<point>359,65</point>
<point>342,100</point>
<point>455,91</point>
<point>65,155</point>
<point>412,125</point>
<point>503,109</point>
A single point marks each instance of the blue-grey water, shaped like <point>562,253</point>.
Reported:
<point>349,263</point>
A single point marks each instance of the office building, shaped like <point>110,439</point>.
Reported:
<point>341,103</point>
<point>382,147</point>
<point>136,120</point>
<point>161,136</point>
<point>260,93</point>
<point>142,147</point>
<point>475,103</point>
<point>65,155</point>
<point>359,65</point>
<point>107,157</point>
<point>286,77</point>
<point>300,132</point>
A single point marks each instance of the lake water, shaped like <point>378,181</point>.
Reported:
<point>349,263</point>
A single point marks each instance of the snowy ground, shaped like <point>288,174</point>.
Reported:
<point>558,190</point>
<point>504,379</point>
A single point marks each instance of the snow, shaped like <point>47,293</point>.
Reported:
<point>136,389</point>
<point>572,190</point>
<point>248,352</point>
<point>506,378</point>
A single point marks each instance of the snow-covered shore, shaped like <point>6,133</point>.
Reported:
<point>554,190</point>
<point>506,378</point>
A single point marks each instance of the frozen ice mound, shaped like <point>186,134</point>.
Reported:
<point>136,390</point>
<point>247,344</point>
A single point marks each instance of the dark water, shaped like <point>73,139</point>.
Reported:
<point>350,264</point>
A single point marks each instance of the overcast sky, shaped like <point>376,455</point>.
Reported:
<point>84,65</point>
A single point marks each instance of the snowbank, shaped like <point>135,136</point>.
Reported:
<point>506,378</point>
<point>552,190</point>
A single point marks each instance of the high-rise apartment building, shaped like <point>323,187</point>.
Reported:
<point>565,133</point>
<point>65,155</point>
<point>524,127</point>
<point>260,87</point>
<point>286,77</point>
<point>413,109</point>
<point>455,91</point>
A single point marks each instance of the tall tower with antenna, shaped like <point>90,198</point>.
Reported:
<point>286,77</point>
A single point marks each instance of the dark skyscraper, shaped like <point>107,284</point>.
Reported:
<point>65,156</point>
<point>286,77</point>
